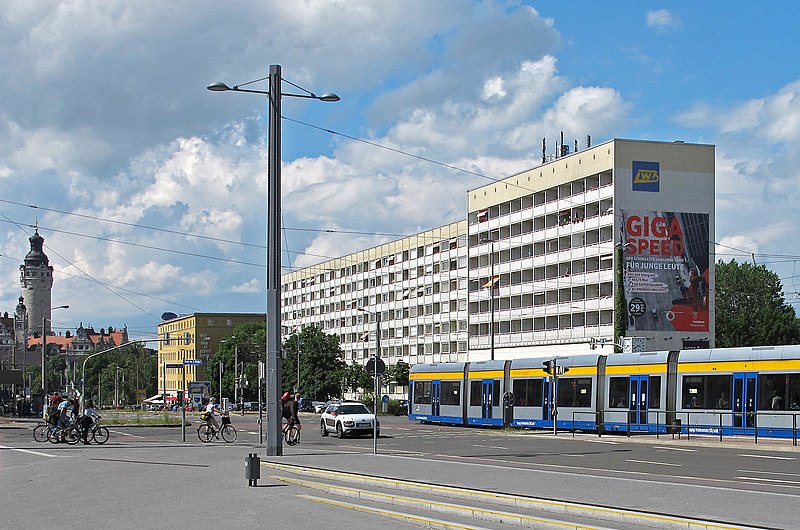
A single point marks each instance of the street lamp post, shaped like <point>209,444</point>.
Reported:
<point>44,355</point>
<point>273,343</point>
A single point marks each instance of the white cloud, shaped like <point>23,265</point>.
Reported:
<point>251,286</point>
<point>663,21</point>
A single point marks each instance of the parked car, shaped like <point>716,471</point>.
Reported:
<point>251,406</point>
<point>320,407</point>
<point>348,417</point>
<point>402,408</point>
<point>305,405</point>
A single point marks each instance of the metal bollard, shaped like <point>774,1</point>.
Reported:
<point>252,469</point>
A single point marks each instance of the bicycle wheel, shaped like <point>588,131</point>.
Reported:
<point>40,432</point>
<point>72,435</point>
<point>292,435</point>
<point>54,435</point>
<point>100,435</point>
<point>205,433</point>
<point>228,433</point>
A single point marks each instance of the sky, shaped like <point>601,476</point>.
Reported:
<point>150,191</point>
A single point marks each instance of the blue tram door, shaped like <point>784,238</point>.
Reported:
<point>639,387</point>
<point>488,388</point>
<point>436,397</point>
<point>744,399</point>
<point>547,410</point>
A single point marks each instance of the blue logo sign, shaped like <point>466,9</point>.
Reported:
<point>646,176</point>
<point>192,362</point>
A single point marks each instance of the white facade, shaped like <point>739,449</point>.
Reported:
<point>536,257</point>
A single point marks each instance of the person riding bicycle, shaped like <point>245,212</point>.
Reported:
<point>211,410</point>
<point>290,406</point>
<point>87,420</point>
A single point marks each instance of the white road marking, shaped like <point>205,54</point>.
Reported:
<point>601,442</point>
<point>759,479</point>
<point>678,449</point>
<point>654,463</point>
<point>37,453</point>
<point>770,457</point>
<point>490,446</point>
<point>126,434</point>
<point>768,472</point>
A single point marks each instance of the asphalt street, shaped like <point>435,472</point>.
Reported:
<point>147,477</point>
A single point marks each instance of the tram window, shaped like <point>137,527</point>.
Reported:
<point>527,392</point>
<point>476,393</point>
<point>451,393</point>
<point>618,392</point>
<point>496,392</point>
<point>794,392</point>
<point>705,391</point>
<point>574,392</point>
<point>422,392</point>
<point>772,391</point>
<point>655,392</point>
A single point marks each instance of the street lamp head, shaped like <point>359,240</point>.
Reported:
<point>218,87</point>
<point>329,96</point>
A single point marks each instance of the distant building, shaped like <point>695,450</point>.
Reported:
<point>195,336</point>
<point>531,271</point>
<point>36,280</point>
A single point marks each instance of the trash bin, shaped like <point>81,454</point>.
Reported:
<point>508,409</point>
<point>676,426</point>
<point>252,469</point>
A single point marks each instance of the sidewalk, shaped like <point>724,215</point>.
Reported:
<point>715,502</point>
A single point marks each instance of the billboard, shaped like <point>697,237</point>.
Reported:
<point>666,270</point>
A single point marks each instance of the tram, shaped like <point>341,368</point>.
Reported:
<point>732,391</point>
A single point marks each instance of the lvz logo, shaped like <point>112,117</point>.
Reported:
<point>646,176</point>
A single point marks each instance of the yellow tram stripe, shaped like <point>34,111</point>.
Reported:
<point>636,369</point>
<point>539,372</point>
<point>428,376</point>
<point>740,366</point>
<point>487,374</point>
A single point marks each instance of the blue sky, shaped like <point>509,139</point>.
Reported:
<point>104,116</point>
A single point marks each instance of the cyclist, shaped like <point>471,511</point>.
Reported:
<point>211,410</point>
<point>290,406</point>
<point>87,420</point>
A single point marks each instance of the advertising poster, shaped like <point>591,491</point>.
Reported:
<point>666,270</point>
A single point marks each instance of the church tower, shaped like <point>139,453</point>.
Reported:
<point>36,280</point>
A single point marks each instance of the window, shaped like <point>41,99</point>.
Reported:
<point>527,392</point>
<point>422,392</point>
<point>451,393</point>
<point>706,391</point>
<point>575,392</point>
<point>618,392</point>
<point>779,392</point>
<point>476,393</point>
<point>655,392</point>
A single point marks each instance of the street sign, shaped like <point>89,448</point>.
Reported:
<point>174,365</point>
<point>372,366</point>
<point>192,362</point>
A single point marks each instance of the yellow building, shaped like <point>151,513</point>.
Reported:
<point>193,337</point>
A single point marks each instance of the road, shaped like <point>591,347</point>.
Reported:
<point>152,467</point>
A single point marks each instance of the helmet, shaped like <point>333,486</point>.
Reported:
<point>213,400</point>
<point>286,396</point>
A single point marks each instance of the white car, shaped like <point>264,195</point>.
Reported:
<point>348,417</point>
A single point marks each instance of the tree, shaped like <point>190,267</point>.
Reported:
<point>397,374</point>
<point>321,364</point>
<point>356,378</point>
<point>750,309</point>
<point>244,345</point>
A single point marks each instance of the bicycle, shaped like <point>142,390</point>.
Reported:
<point>40,431</point>
<point>291,432</point>
<point>69,434</point>
<point>206,431</point>
<point>97,433</point>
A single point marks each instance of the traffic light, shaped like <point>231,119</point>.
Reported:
<point>548,366</point>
